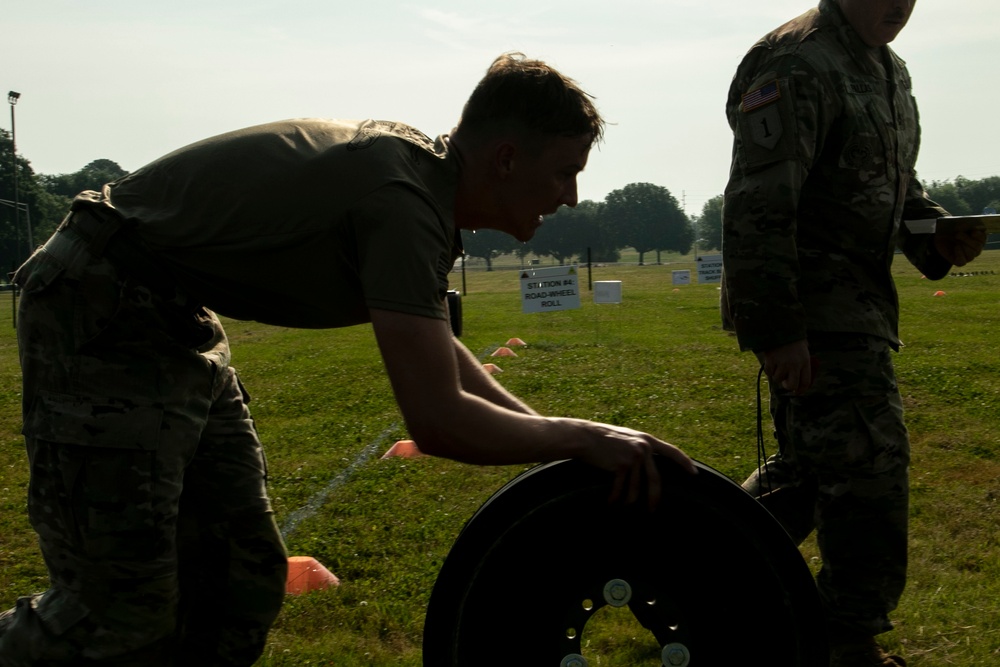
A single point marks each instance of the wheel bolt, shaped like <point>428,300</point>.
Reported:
<point>675,655</point>
<point>617,593</point>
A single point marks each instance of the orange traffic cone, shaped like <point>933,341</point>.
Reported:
<point>492,369</point>
<point>516,342</point>
<point>404,448</point>
<point>504,352</point>
<point>939,293</point>
<point>305,574</point>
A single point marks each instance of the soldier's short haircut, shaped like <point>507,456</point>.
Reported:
<point>523,95</point>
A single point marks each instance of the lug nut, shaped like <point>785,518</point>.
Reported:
<point>617,593</point>
<point>675,655</point>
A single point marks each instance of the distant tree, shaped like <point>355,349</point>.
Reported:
<point>710,224</point>
<point>966,197</point>
<point>648,218</point>
<point>47,211</point>
<point>38,211</point>
<point>91,177</point>
<point>598,233</point>
<point>981,194</point>
<point>488,244</point>
<point>522,251</point>
<point>555,238</point>
<point>948,195</point>
<point>570,232</point>
<point>678,236</point>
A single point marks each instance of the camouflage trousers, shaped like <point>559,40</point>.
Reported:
<point>147,481</point>
<point>843,469</point>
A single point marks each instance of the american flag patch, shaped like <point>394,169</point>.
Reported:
<point>763,95</point>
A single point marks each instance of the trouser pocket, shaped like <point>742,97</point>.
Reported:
<point>91,496</point>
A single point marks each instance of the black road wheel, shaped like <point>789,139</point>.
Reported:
<point>709,573</point>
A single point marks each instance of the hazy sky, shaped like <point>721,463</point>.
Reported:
<point>132,80</point>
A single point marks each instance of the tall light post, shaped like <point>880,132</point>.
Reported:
<point>13,97</point>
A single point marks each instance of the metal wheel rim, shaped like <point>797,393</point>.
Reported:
<point>720,572</point>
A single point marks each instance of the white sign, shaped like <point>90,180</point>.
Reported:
<point>709,269</point>
<point>607,291</point>
<point>682,277</point>
<point>548,289</point>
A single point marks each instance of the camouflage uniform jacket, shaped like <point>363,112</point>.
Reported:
<point>826,138</point>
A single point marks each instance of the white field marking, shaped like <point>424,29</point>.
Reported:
<point>318,499</point>
<point>312,506</point>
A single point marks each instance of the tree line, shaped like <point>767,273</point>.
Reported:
<point>647,218</point>
<point>43,200</point>
<point>641,216</point>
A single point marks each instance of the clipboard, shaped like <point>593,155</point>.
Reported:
<point>989,222</point>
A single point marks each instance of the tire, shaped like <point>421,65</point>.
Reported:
<point>710,571</point>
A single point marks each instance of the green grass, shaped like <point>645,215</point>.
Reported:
<point>658,362</point>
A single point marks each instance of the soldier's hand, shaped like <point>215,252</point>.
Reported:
<point>960,242</point>
<point>790,366</point>
<point>629,455</point>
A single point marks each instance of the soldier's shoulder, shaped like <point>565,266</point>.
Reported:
<point>796,32</point>
<point>807,41</point>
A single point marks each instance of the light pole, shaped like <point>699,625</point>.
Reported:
<point>12,98</point>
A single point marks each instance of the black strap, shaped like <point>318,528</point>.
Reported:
<point>761,453</point>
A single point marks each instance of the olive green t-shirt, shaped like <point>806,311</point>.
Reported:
<point>302,223</point>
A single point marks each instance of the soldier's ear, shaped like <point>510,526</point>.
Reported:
<point>504,159</point>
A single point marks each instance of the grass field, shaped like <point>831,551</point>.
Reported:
<point>657,362</point>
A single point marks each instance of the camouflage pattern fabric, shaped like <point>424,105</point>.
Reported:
<point>842,469</point>
<point>147,485</point>
<point>826,135</point>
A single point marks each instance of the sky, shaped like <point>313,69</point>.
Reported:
<point>131,80</point>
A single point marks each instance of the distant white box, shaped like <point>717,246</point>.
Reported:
<point>607,291</point>
<point>682,277</point>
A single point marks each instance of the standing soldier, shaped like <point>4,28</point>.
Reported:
<point>826,139</point>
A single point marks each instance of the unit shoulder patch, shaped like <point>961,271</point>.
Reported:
<point>765,127</point>
<point>765,122</point>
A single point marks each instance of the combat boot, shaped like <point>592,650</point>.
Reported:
<point>862,653</point>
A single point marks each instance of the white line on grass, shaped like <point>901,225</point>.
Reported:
<point>312,506</point>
